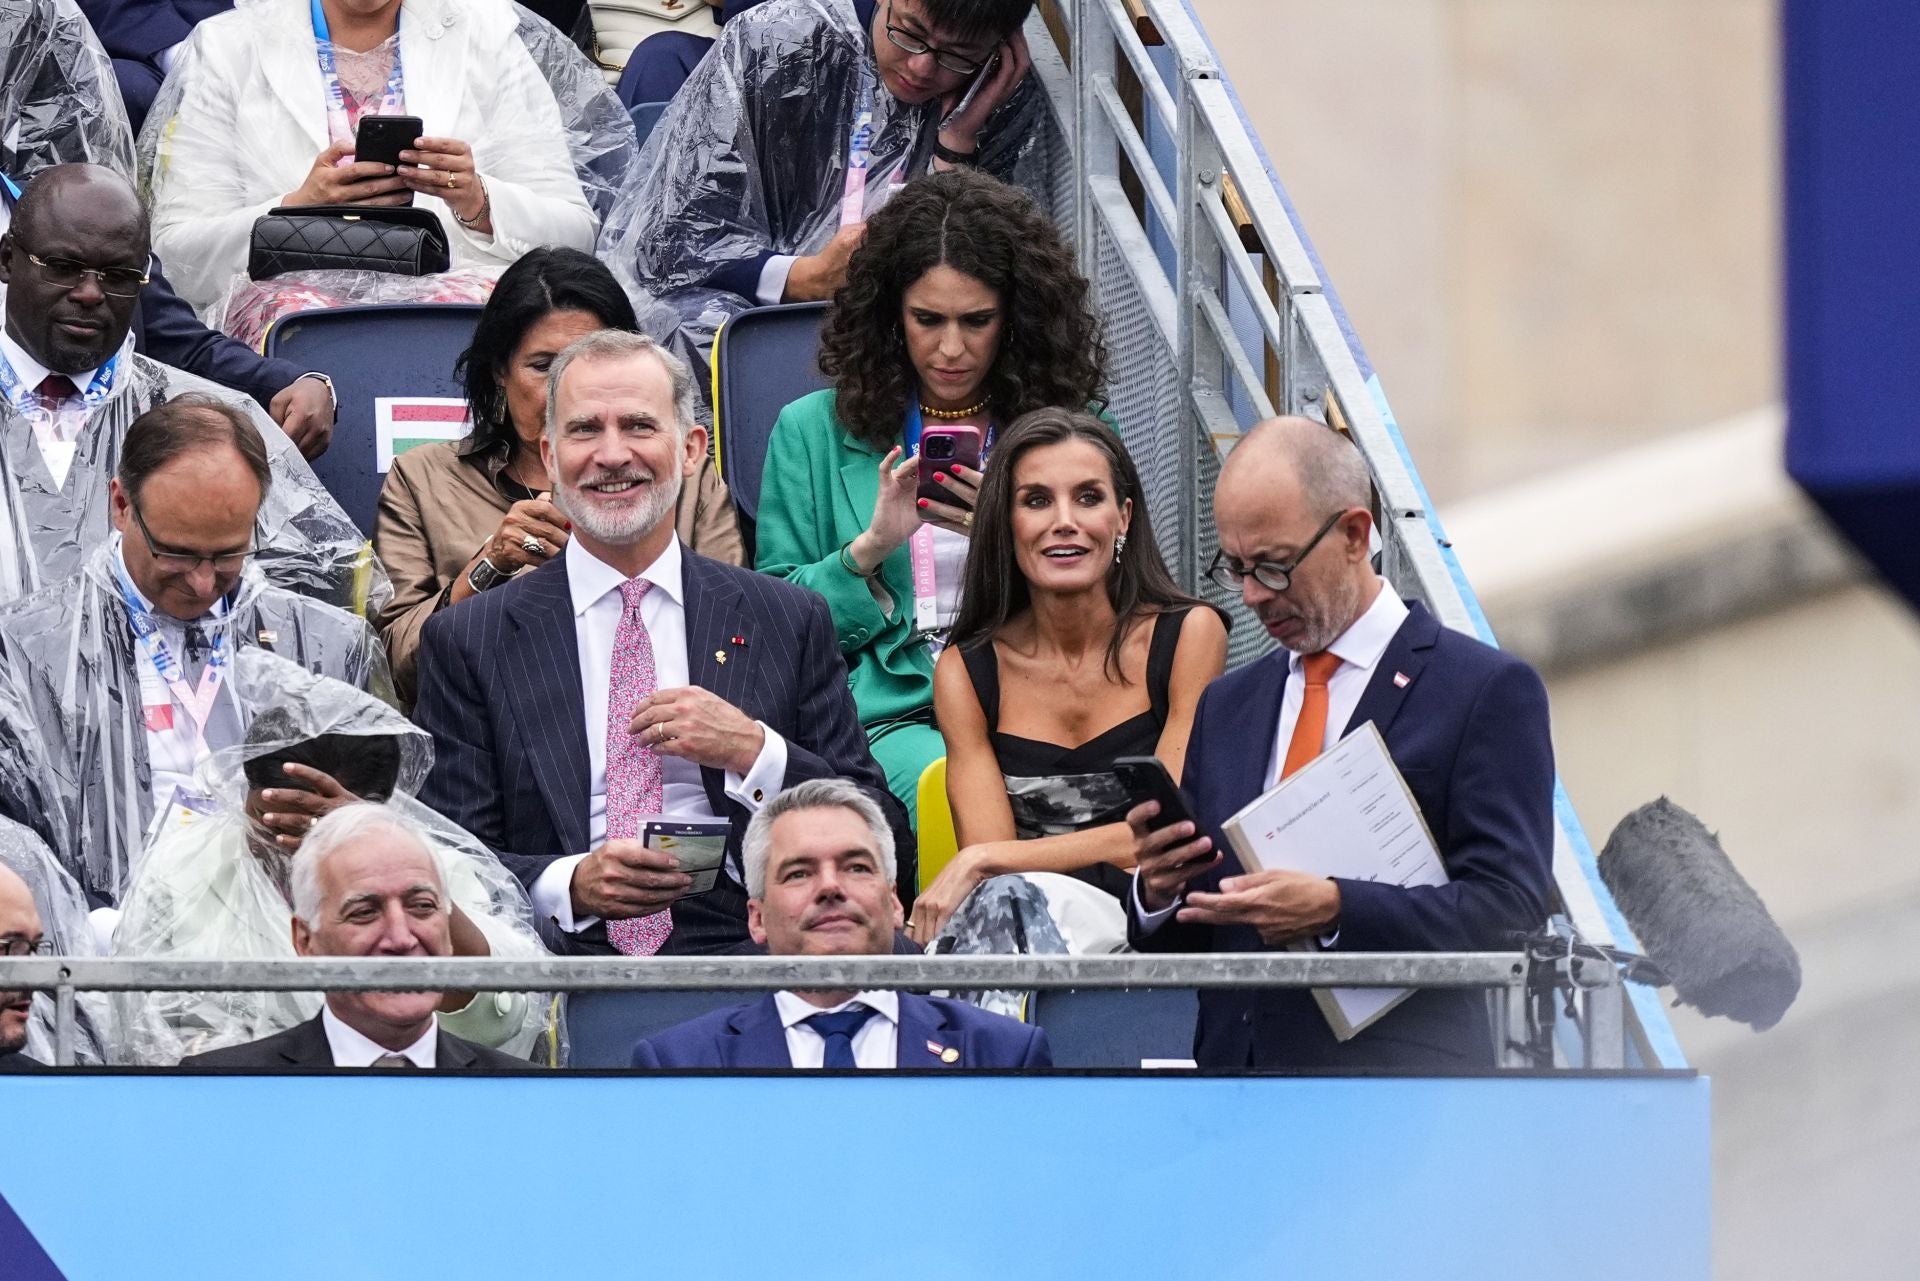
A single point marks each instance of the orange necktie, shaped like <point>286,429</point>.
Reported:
<point>1311,729</point>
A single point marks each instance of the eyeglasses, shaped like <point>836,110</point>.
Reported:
<point>188,562</point>
<point>17,945</point>
<point>1272,575</point>
<point>115,282</point>
<point>915,45</point>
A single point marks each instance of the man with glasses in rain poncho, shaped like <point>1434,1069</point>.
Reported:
<point>220,886</point>
<point>755,186</point>
<point>114,682</point>
<point>43,913</point>
<point>71,384</point>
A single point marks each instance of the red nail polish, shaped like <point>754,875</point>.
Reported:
<point>940,477</point>
<point>923,502</point>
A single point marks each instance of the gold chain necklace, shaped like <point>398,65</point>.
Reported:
<point>952,415</point>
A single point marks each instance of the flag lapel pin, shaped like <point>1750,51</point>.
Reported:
<point>1401,680</point>
<point>945,1053</point>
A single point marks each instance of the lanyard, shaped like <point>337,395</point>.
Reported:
<point>197,702</point>
<point>57,429</point>
<point>392,101</point>
<point>26,400</point>
<point>853,199</point>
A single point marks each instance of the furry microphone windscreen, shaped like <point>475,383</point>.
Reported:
<point>1698,918</point>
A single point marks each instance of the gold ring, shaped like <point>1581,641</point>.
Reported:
<point>967,520</point>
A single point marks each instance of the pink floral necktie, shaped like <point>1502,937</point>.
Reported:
<point>636,781</point>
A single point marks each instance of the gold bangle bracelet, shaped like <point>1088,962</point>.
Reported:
<point>846,563</point>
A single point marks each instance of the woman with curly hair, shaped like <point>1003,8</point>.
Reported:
<point>962,307</point>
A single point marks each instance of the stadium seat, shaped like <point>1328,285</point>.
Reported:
<point>763,359</point>
<point>937,839</point>
<point>378,355</point>
<point>603,1027</point>
<point>1116,1028</point>
<point>645,116</point>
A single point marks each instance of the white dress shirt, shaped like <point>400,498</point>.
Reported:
<point>1359,650</point>
<point>876,1046</point>
<point>176,753</point>
<point>352,1050</point>
<point>597,607</point>
<point>70,419</point>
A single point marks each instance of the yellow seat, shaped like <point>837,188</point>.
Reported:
<point>938,843</point>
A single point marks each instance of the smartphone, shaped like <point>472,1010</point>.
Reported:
<point>381,139</point>
<point>943,449</point>
<point>1146,779</point>
<point>973,90</point>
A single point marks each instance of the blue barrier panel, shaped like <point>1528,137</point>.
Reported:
<point>416,1178</point>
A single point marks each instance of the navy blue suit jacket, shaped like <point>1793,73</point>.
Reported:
<point>1468,730</point>
<point>750,1036</point>
<point>500,693</point>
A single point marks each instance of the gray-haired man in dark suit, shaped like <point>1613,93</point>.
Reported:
<point>628,678</point>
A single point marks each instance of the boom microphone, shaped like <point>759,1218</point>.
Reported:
<point>1698,918</point>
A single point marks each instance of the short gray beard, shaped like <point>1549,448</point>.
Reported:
<point>618,530</point>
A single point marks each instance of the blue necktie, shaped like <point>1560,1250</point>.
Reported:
<point>837,1030</point>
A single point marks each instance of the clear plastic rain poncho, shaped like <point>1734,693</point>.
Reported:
<point>59,102</point>
<point>63,919</point>
<point>50,524</point>
<point>244,113</point>
<point>74,757</point>
<point>218,888</point>
<point>751,159</point>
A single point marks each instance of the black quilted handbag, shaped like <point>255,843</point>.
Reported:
<point>397,241</point>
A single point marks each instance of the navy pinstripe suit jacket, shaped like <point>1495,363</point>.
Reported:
<point>500,693</point>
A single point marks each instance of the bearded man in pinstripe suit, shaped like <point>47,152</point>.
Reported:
<point>629,678</point>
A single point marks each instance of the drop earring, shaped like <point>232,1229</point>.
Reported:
<point>1119,545</point>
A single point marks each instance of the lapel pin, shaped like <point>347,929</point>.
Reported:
<point>268,636</point>
<point>736,640</point>
<point>1401,680</point>
<point>946,1052</point>
<point>720,656</point>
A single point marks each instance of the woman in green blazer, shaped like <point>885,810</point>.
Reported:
<point>962,308</point>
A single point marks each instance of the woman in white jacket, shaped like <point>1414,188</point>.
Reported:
<point>524,144</point>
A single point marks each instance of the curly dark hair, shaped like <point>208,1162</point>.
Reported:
<point>1051,351</point>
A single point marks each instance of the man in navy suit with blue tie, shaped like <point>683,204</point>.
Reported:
<point>1465,724</point>
<point>820,873</point>
<point>629,678</point>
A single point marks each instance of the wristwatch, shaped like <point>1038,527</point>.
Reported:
<point>486,574</point>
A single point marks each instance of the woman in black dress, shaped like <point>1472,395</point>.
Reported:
<point>1072,647</point>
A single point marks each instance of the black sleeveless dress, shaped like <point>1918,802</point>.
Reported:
<point>1055,790</point>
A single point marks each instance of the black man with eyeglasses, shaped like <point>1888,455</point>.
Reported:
<point>115,682</point>
<point>1465,724</point>
<point>71,381</point>
<point>803,119</point>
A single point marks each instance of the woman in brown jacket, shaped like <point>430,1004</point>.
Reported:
<point>459,517</point>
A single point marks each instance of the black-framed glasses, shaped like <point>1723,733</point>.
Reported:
<point>67,273</point>
<point>1272,575</point>
<point>915,45</point>
<point>14,945</point>
<point>188,562</point>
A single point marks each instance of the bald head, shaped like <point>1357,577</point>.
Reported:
<point>1317,464</point>
<point>18,921</point>
<point>92,191</point>
<point>1292,509</point>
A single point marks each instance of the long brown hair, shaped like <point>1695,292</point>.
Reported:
<point>1050,347</point>
<point>994,590</point>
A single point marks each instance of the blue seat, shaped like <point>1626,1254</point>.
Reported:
<point>645,116</point>
<point>1116,1028</point>
<point>763,359</point>
<point>603,1027</point>
<point>372,353</point>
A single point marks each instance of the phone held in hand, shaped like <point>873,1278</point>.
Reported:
<point>973,90</point>
<point>381,139</point>
<point>700,848</point>
<point>1146,779</point>
<point>942,449</point>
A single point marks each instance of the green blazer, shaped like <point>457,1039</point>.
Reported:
<point>816,496</point>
